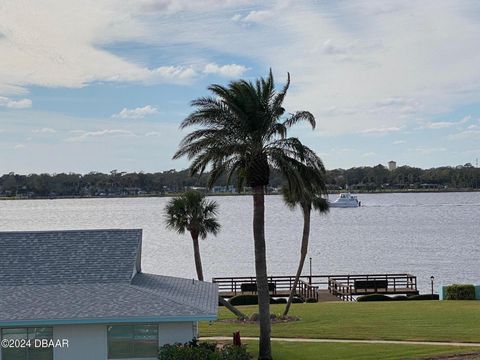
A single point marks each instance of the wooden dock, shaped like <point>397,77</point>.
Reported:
<point>323,287</point>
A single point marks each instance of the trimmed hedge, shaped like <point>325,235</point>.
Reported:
<point>202,351</point>
<point>244,300</point>
<point>311,300</point>
<point>253,300</point>
<point>460,292</point>
<point>423,297</point>
<point>380,297</point>
<point>374,297</point>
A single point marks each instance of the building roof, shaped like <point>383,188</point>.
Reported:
<point>68,257</point>
<point>91,276</point>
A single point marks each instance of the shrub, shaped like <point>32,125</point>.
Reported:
<point>253,300</point>
<point>231,352</point>
<point>460,292</point>
<point>298,300</point>
<point>311,300</point>
<point>202,351</point>
<point>399,298</point>
<point>424,297</point>
<point>374,297</point>
<point>244,300</point>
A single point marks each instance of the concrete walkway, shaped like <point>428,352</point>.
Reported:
<point>401,342</point>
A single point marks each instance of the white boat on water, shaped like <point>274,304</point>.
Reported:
<point>346,200</point>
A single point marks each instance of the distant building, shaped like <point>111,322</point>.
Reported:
<point>392,165</point>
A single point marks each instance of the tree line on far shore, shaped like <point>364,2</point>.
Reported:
<point>172,181</point>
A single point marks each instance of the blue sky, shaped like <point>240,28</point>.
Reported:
<point>102,85</point>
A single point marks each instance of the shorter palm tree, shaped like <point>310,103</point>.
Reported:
<point>193,213</point>
<point>307,195</point>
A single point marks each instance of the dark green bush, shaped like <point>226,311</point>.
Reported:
<point>460,292</point>
<point>298,300</point>
<point>278,301</point>
<point>423,297</point>
<point>202,351</point>
<point>374,297</point>
<point>399,298</point>
<point>253,300</point>
<point>311,300</point>
<point>244,300</point>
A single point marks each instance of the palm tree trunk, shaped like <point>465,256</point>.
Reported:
<point>303,254</point>
<point>198,265</point>
<point>232,308</point>
<point>196,254</point>
<point>265,351</point>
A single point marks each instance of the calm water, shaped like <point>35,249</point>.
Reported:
<point>423,234</point>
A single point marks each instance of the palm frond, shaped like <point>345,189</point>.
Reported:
<point>300,116</point>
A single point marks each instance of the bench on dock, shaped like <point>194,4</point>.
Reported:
<point>252,287</point>
<point>370,284</point>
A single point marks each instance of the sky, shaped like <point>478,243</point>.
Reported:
<point>98,85</point>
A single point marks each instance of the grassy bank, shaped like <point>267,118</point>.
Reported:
<point>332,351</point>
<point>412,320</point>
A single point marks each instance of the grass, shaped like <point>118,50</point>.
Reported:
<point>403,320</point>
<point>336,351</point>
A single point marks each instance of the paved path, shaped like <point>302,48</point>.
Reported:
<point>402,342</point>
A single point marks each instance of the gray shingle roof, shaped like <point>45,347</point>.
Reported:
<point>66,257</point>
<point>89,280</point>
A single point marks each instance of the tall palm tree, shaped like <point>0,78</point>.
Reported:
<point>308,196</point>
<point>193,213</point>
<point>242,131</point>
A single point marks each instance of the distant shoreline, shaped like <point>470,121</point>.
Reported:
<point>332,192</point>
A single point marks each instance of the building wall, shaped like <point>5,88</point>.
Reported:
<point>169,333</point>
<point>85,342</point>
<point>90,341</point>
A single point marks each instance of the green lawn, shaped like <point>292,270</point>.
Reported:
<point>335,351</point>
<point>400,320</point>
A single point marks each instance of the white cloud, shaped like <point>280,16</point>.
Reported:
<point>41,55</point>
<point>368,154</point>
<point>408,54</point>
<point>230,70</point>
<point>465,135</point>
<point>19,146</point>
<point>153,133</point>
<point>258,16</point>
<point>439,125</point>
<point>85,135</point>
<point>428,150</point>
<point>44,130</point>
<point>398,142</point>
<point>15,104</point>
<point>447,124</point>
<point>388,63</point>
<point>137,113</point>
<point>381,130</point>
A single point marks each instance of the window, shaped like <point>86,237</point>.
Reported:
<point>24,344</point>
<point>132,341</point>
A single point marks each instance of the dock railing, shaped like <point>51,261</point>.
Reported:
<point>343,286</point>
<point>348,286</point>
<point>280,286</point>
